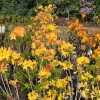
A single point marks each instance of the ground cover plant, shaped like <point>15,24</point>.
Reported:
<point>37,64</point>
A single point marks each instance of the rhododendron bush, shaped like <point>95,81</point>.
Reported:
<point>36,58</point>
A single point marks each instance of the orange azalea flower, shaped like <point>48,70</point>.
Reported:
<point>50,54</point>
<point>83,15</point>
<point>85,38</point>
<point>96,53</point>
<point>48,67</point>
<point>98,36</point>
<point>18,31</point>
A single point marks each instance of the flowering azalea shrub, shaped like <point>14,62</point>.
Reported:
<point>34,62</point>
<point>84,39</point>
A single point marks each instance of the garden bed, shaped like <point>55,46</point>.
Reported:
<point>62,21</point>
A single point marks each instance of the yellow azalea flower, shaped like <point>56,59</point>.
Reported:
<point>83,84</point>
<point>50,5</point>
<point>54,63</point>
<point>64,53</point>
<point>13,82</point>
<point>14,56</point>
<point>66,65</point>
<point>49,93</point>
<point>12,36</point>
<point>40,52</point>
<point>98,77</point>
<point>30,27</point>
<point>52,83</point>
<point>80,85</point>
<point>61,83</point>
<point>52,37</point>
<point>33,45</point>
<point>29,64</point>
<point>84,94</point>
<point>83,60</point>
<point>46,86</point>
<point>51,27</point>
<point>44,73</point>
<point>83,78</point>
<point>60,97</point>
<point>66,48</point>
<point>20,61</point>
<point>86,76</point>
<point>95,92</point>
<point>40,7</point>
<point>33,95</point>
<point>5,54</point>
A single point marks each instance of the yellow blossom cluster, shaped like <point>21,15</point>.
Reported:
<point>83,61</point>
<point>66,65</point>
<point>61,83</point>
<point>46,9</point>
<point>86,76</point>
<point>44,73</point>
<point>33,95</point>
<point>29,64</point>
<point>6,56</point>
<point>65,48</point>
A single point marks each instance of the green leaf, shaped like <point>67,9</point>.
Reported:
<point>39,87</point>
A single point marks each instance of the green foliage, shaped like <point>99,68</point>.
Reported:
<point>64,5</point>
<point>97,8</point>
<point>55,72</point>
<point>39,87</point>
<point>45,62</point>
<point>19,7</point>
